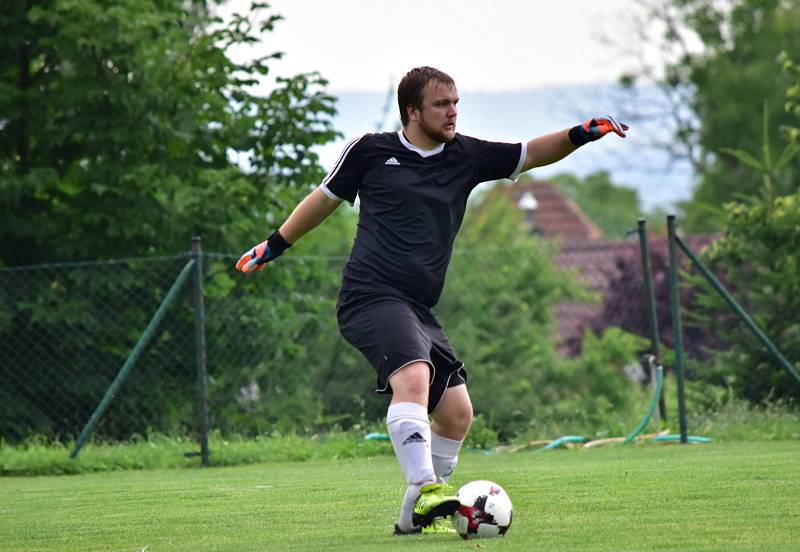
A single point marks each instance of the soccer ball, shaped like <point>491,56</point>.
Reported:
<point>485,510</point>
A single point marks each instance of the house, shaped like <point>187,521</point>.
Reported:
<point>598,264</point>
<point>551,214</point>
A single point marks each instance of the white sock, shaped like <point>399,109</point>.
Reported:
<point>410,432</point>
<point>444,453</point>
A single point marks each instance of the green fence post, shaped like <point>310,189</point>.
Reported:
<point>717,285</point>
<point>200,350</point>
<point>675,303</point>
<point>655,340</point>
<point>148,334</point>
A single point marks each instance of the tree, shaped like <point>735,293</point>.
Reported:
<point>721,66</point>
<point>792,105</point>
<point>119,121</point>
<point>497,308</point>
<point>614,209</point>
<point>758,253</point>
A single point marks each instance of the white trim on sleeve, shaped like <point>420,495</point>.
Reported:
<point>330,194</point>
<point>522,155</point>
<point>336,167</point>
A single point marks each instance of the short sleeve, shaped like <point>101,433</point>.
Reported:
<point>496,160</point>
<point>342,183</point>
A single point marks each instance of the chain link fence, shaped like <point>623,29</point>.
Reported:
<point>275,359</point>
<point>66,329</point>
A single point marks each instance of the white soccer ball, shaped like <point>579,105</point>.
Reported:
<point>485,510</point>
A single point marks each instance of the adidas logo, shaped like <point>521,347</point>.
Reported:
<point>414,437</point>
<point>392,161</point>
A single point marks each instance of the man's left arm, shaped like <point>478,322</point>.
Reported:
<point>550,148</point>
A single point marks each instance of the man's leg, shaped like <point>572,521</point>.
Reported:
<point>410,432</point>
<point>451,422</point>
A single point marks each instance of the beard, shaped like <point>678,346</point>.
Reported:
<point>436,134</point>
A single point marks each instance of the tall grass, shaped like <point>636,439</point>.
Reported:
<point>721,417</point>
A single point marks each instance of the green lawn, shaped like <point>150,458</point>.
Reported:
<point>701,497</point>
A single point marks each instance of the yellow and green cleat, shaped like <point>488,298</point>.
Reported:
<point>438,525</point>
<point>433,503</point>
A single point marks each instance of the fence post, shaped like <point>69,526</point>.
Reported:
<point>740,312</point>
<point>148,334</point>
<point>200,350</point>
<point>647,269</point>
<point>675,303</point>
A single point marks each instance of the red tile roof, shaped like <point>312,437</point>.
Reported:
<point>599,265</point>
<point>555,215</point>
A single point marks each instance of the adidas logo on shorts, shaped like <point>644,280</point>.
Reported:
<point>414,438</point>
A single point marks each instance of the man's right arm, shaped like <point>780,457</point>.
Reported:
<point>342,183</point>
<point>308,214</point>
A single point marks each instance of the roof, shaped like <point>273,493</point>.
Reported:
<point>599,266</point>
<point>551,214</point>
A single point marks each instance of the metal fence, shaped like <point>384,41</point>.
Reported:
<point>274,356</point>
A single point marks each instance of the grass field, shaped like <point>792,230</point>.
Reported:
<point>702,497</point>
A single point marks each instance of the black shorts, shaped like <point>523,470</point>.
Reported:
<point>392,333</point>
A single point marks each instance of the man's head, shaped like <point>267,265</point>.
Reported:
<point>427,98</point>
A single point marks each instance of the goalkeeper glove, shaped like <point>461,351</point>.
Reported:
<point>266,251</point>
<point>594,129</point>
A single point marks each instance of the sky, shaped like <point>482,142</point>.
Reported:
<point>485,46</point>
<point>523,68</point>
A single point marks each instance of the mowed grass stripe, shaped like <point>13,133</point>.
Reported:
<point>700,497</point>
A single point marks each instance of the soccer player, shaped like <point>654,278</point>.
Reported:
<point>413,187</point>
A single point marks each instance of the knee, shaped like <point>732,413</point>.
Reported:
<point>456,422</point>
<point>462,418</point>
<point>411,382</point>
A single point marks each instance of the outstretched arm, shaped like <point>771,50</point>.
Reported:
<point>550,148</point>
<point>308,214</point>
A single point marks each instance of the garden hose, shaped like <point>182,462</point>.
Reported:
<point>650,409</point>
<point>564,440</point>
<point>677,438</point>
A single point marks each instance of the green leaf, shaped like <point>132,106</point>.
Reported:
<point>746,158</point>
<point>789,152</point>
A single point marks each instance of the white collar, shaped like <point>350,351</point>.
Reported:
<point>422,152</point>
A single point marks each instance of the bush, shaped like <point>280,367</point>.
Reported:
<point>759,253</point>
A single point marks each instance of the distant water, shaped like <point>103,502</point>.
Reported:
<point>522,115</point>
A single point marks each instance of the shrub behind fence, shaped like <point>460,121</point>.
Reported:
<point>275,358</point>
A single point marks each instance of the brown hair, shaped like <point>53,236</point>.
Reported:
<point>409,91</point>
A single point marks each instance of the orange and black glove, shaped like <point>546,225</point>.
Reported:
<point>259,255</point>
<point>594,129</point>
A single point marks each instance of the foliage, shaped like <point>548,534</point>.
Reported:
<point>276,361</point>
<point>39,456</point>
<point>120,121</point>
<point>630,311</point>
<point>496,309</point>
<point>124,127</point>
<point>759,253</point>
<point>720,415</point>
<point>720,68</point>
<point>769,166</point>
<point>792,104</point>
<point>502,282</point>
<point>611,207</point>
<point>593,389</point>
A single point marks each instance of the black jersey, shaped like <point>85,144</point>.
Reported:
<point>412,202</point>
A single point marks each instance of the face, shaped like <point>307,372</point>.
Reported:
<point>437,117</point>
